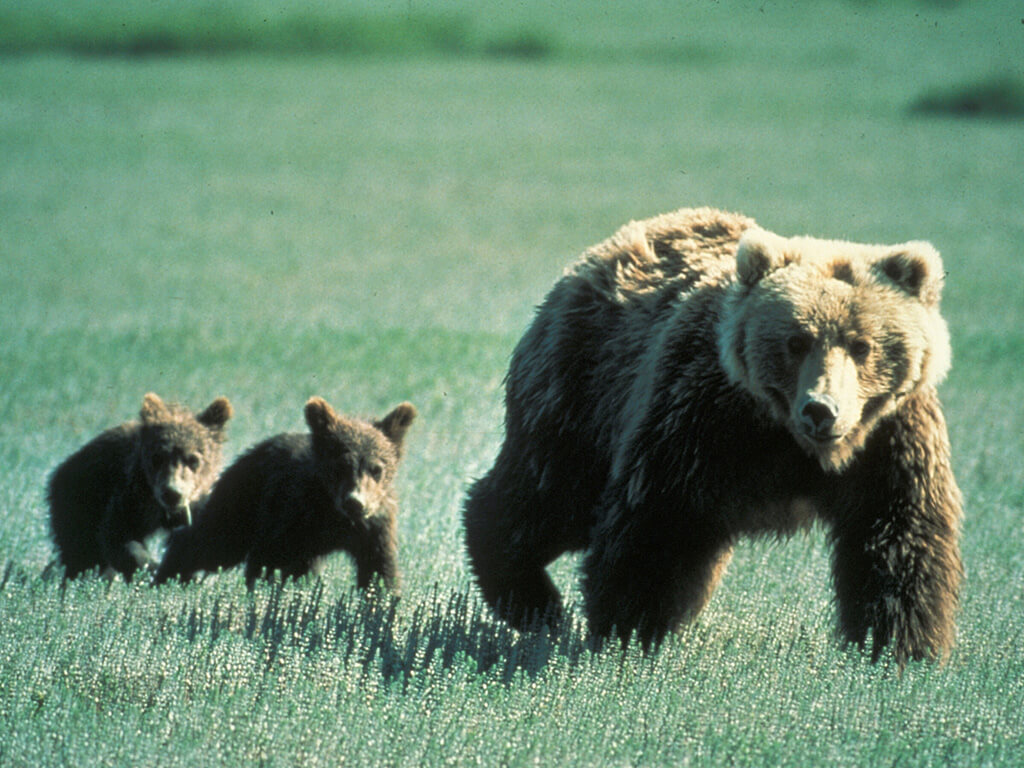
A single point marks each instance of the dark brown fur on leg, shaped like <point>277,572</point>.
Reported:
<point>640,578</point>
<point>507,558</point>
<point>188,552</point>
<point>896,563</point>
<point>377,556</point>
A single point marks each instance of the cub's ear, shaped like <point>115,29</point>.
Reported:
<point>319,415</point>
<point>396,424</point>
<point>153,409</point>
<point>915,268</point>
<point>760,252</point>
<point>216,414</point>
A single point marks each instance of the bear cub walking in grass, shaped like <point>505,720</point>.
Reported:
<point>129,482</point>
<point>293,499</point>
<point>695,379</point>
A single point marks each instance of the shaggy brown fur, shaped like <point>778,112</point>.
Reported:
<point>695,379</point>
<point>129,482</point>
<point>293,499</point>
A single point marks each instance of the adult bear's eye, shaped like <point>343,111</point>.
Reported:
<point>860,349</point>
<point>799,344</point>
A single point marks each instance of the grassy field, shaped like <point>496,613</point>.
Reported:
<point>374,222</point>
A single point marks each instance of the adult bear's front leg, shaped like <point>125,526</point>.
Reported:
<point>896,562</point>
<point>647,574</point>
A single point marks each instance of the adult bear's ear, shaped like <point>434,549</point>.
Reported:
<point>216,414</point>
<point>758,253</point>
<point>319,415</point>
<point>396,424</point>
<point>153,409</point>
<point>915,268</point>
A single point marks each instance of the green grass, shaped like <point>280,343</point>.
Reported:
<point>377,228</point>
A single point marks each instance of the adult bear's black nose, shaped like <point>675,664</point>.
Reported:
<point>170,497</point>
<point>818,414</point>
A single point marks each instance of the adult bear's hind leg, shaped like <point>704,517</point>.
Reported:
<point>508,552</point>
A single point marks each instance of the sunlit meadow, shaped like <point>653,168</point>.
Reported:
<point>365,201</point>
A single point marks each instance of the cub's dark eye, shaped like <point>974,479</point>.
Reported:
<point>798,344</point>
<point>376,471</point>
<point>860,349</point>
<point>192,461</point>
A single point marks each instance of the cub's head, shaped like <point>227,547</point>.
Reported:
<point>180,453</point>
<point>357,460</point>
<point>831,335</point>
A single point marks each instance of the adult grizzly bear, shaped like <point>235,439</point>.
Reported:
<point>131,481</point>
<point>291,500</point>
<point>695,379</point>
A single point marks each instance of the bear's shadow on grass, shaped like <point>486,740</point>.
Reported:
<point>447,630</point>
<point>379,633</point>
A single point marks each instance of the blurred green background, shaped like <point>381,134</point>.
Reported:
<point>365,201</point>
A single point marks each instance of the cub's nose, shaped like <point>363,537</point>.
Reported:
<point>819,414</point>
<point>353,503</point>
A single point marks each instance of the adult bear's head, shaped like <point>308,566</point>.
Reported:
<point>830,335</point>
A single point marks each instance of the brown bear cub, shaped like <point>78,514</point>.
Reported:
<point>293,499</point>
<point>131,481</point>
<point>696,379</point>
